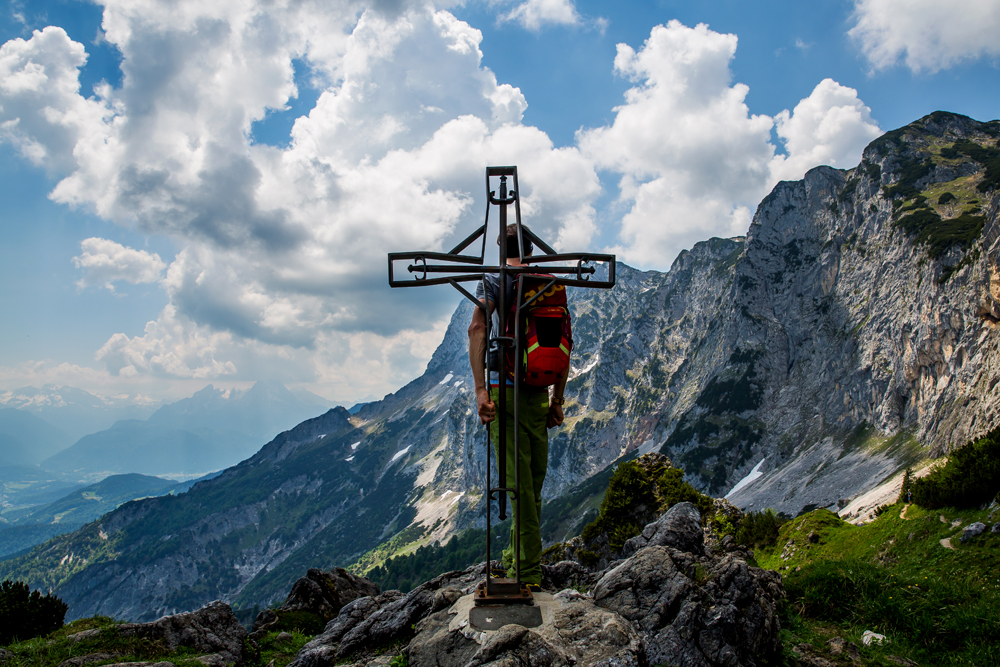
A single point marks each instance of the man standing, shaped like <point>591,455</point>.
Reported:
<point>537,412</point>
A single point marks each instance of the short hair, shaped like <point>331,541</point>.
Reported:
<point>512,234</point>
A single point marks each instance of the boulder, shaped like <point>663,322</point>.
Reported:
<point>806,656</point>
<point>695,611</point>
<point>212,629</point>
<point>839,646</point>
<point>89,659</point>
<point>679,527</point>
<point>374,621</point>
<point>869,637</point>
<point>996,528</point>
<point>574,632</point>
<point>972,530</point>
<point>567,574</point>
<point>322,594</point>
<point>325,593</point>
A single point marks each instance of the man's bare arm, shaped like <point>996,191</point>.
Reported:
<point>477,353</point>
<point>555,403</point>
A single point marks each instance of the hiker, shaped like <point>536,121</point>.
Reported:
<point>537,412</point>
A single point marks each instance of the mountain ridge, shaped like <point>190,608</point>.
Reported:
<point>796,344</point>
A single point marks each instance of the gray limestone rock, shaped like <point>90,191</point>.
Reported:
<point>567,574</point>
<point>574,632</point>
<point>90,658</point>
<point>212,629</point>
<point>372,621</point>
<point>972,530</point>
<point>325,593</point>
<point>996,528</point>
<point>695,611</point>
<point>679,527</point>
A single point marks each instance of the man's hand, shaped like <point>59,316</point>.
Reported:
<point>487,408</point>
<point>555,415</point>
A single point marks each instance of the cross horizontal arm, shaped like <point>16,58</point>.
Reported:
<point>420,269</point>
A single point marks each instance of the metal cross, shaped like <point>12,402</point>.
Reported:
<point>576,269</point>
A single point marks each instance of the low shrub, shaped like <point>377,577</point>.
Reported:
<point>673,489</point>
<point>25,613</point>
<point>638,492</point>
<point>758,529</point>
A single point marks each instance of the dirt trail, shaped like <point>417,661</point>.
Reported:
<point>946,543</point>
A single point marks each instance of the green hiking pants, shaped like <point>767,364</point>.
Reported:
<point>533,441</point>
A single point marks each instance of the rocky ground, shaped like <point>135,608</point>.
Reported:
<point>672,600</point>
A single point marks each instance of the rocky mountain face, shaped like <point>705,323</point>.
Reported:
<point>849,333</point>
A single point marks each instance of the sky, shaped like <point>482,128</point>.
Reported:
<point>205,192</point>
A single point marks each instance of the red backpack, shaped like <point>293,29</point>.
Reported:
<point>546,335</point>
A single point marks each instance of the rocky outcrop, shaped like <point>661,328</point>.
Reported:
<point>693,608</point>
<point>672,601</point>
<point>374,621</point>
<point>574,632</point>
<point>679,528</point>
<point>695,612</point>
<point>321,594</point>
<point>212,630</point>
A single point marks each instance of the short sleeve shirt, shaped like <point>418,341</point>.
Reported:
<point>492,292</point>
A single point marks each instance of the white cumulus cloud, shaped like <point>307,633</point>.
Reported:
<point>106,262</point>
<point>280,271</point>
<point>831,126</point>
<point>694,161</point>
<point>534,14</point>
<point>926,35</point>
<point>693,158</point>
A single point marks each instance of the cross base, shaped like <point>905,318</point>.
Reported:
<point>502,592</point>
<point>494,618</point>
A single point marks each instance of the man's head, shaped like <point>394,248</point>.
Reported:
<point>512,241</point>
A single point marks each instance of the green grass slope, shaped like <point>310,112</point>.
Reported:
<point>905,575</point>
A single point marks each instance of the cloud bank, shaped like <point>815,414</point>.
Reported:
<point>926,35</point>
<point>281,267</point>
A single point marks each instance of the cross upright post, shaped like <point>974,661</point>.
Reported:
<point>568,269</point>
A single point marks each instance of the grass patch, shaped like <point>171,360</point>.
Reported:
<point>937,606</point>
<point>280,653</point>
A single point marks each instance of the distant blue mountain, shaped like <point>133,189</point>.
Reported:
<point>27,440</point>
<point>211,430</point>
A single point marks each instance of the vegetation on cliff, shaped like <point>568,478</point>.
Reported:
<point>970,478</point>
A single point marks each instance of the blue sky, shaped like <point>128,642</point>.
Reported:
<point>164,227</point>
